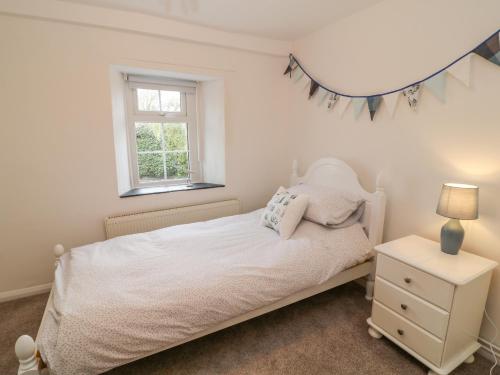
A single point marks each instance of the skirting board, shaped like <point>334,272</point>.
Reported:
<point>485,350</point>
<point>11,295</point>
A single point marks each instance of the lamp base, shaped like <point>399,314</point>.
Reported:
<point>452,236</point>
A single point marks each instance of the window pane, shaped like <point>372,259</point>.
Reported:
<point>150,166</point>
<point>148,100</point>
<point>176,138</point>
<point>170,101</point>
<point>148,136</point>
<point>177,165</point>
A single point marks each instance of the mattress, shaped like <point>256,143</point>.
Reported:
<point>128,297</point>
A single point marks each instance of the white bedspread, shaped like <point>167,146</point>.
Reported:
<point>128,297</point>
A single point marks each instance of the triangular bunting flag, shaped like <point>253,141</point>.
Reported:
<point>412,94</point>
<point>289,68</point>
<point>358,104</point>
<point>490,49</point>
<point>313,88</point>
<point>298,74</point>
<point>332,100</point>
<point>437,85</point>
<point>373,104</point>
<point>391,101</point>
<point>342,104</point>
<point>461,70</point>
<point>322,95</point>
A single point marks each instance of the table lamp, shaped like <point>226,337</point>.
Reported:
<point>458,202</point>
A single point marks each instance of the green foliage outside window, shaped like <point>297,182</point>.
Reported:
<point>153,152</point>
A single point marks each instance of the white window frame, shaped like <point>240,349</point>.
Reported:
<point>186,115</point>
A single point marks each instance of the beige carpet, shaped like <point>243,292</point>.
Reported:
<point>325,334</point>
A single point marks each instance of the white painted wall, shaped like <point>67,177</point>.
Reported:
<point>57,159</point>
<point>390,45</point>
<point>211,130</point>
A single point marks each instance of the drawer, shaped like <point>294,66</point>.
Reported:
<point>407,333</point>
<point>420,283</point>
<point>420,312</point>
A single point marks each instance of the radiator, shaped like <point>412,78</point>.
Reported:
<point>120,225</point>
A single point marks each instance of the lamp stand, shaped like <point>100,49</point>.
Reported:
<point>452,236</point>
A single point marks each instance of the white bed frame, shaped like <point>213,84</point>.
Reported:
<point>324,172</point>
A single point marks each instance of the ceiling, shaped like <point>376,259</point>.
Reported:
<point>276,19</point>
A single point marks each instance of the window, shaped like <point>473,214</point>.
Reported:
<point>162,131</point>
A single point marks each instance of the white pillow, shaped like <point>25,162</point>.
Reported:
<point>284,212</point>
<point>328,206</point>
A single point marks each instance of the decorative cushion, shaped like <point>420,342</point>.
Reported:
<point>328,206</point>
<point>284,212</point>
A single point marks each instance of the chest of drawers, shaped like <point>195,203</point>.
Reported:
<point>430,303</point>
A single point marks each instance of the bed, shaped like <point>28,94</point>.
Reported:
<point>116,301</point>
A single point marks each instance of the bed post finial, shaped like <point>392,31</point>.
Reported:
<point>58,252</point>
<point>26,354</point>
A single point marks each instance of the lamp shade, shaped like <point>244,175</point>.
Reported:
<point>458,201</point>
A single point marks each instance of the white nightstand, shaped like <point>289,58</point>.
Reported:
<point>430,303</point>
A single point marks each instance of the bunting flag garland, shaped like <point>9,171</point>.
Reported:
<point>435,83</point>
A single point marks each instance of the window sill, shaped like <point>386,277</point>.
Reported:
<point>168,189</point>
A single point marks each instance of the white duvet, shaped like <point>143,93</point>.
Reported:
<point>128,297</point>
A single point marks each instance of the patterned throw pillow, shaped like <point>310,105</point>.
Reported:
<point>284,212</point>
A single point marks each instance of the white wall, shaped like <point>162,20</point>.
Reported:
<point>57,159</point>
<point>211,130</point>
<point>390,45</point>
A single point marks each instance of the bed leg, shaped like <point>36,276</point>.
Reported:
<point>370,281</point>
<point>369,289</point>
<point>26,354</point>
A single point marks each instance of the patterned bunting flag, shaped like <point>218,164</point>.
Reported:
<point>461,70</point>
<point>412,94</point>
<point>437,85</point>
<point>373,104</point>
<point>391,101</point>
<point>490,49</point>
<point>332,100</point>
<point>313,88</point>
<point>358,104</point>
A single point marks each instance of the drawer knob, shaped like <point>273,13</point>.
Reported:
<point>401,332</point>
<point>403,306</point>
<point>407,280</point>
